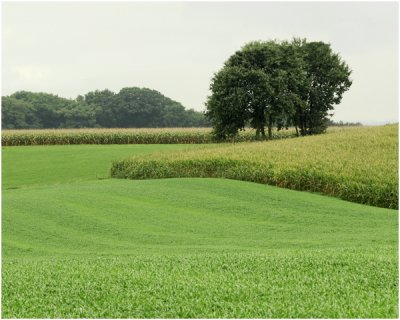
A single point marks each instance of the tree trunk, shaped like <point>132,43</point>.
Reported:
<point>297,131</point>
<point>263,133</point>
<point>270,123</point>
<point>269,132</point>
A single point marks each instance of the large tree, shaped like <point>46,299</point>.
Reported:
<point>239,95</point>
<point>281,84</point>
<point>327,78</point>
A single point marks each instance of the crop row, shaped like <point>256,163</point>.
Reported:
<point>121,136</point>
<point>358,164</point>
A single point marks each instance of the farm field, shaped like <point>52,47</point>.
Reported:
<point>356,164</point>
<point>79,244</point>
<point>27,137</point>
<point>35,165</point>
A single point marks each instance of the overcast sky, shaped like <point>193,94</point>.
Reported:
<point>70,48</point>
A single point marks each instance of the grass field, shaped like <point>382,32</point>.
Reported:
<point>35,165</point>
<point>76,244</point>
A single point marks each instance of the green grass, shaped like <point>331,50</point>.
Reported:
<point>35,165</point>
<point>307,284</point>
<point>177,214</point>
<point>356,164</point>
<point>194,248</point>
<point>77,245</point>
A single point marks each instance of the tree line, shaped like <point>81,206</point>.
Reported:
<point>130,107</point>
<point>275,84</point>
<point>265,85</point>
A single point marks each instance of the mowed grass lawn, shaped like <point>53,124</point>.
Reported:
<point>34,165</point>
<point>76,246</point>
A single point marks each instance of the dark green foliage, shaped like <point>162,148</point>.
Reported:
<point>326,81</point>
<point>17,114</point>
<point>192,118</point>
<point>48,108</point>
<point>130,108</point>
<point>239,94</point>
<point>277,84</point>
<point>136,108</point>
<point>103,103</point>
<point>340,123</point>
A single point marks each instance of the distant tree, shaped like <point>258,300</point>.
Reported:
<point>102,102</point>
<point>194,118</point>
<point>136,107</point>
<point>77,114</point>
<point>139,108</point>
<point>331,123</point>
<point>173,115</point>
<point>131,107</point>
<point>17,114</point>
<point>47,107</point>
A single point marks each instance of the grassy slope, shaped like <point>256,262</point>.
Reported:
<point>35,165</point>
<point>194,248</point>
<point>184,247</point>
<point>355,164</point>
<point>176,214</point>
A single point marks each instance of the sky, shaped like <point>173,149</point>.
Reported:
<point>71,48</point>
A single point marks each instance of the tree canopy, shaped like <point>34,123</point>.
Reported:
<point>129,108</point>
<point>277,84</point>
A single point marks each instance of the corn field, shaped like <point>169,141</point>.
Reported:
<point>356,164</point>
<point>122,136</point>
